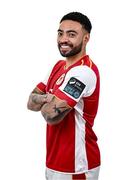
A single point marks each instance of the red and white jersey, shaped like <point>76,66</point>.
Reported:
<point>72,144</point>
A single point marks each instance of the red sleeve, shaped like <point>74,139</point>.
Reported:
<point>63,96</point>
<point>42,87</point>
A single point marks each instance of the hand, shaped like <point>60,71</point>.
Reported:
<point>42,99</point>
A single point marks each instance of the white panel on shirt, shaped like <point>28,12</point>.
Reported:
<point>85,75</point>
<point>81,163</point>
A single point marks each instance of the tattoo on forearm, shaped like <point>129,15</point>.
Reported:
<point>55,113</point>
<point>56,118</point>
<point>61,115</point>
<point>39,99</point>
<point>34,99</point>
<point>58,109</point>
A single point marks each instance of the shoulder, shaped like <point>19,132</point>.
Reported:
<point>82,72</point>
<point>59,64</point>
<point>84,75</point>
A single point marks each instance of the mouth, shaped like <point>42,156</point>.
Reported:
<point>65,47</point>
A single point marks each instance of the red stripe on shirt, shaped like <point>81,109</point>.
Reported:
<point>63,96</point>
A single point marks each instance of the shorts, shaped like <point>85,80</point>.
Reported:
<point>89,175</point>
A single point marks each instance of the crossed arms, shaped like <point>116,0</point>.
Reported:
<point>52,108</point>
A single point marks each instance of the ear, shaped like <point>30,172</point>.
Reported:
<point>86,37</point>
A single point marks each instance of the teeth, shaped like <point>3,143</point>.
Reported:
<point>63,46</point>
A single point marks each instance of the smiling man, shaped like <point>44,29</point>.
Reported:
<point>68,101</point>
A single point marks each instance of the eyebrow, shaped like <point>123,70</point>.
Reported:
<point>68,31</point>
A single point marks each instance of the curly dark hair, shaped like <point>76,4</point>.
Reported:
<point>79,17</point>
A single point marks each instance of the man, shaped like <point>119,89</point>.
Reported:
<point>68,101</point>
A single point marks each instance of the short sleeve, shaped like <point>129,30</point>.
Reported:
<point>79,82</point>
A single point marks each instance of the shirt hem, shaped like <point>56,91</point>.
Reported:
<point>81,172</point>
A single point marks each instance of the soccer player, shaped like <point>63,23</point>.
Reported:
<point>68,101</point>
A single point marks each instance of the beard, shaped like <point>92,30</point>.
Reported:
<point>74,50</point>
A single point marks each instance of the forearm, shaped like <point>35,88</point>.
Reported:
<point>52,108</point>
<point>36,101</point>
<point>54,111</point>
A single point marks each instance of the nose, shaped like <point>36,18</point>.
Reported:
<point>63,39</point>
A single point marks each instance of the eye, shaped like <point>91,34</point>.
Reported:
<point>71,35</point>
<point>60,34</point>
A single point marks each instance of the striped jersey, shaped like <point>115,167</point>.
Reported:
<point>72,144</point>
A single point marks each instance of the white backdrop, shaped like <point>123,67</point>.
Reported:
<point>28,30</point>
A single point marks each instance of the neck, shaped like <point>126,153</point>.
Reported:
<point>72,60</point>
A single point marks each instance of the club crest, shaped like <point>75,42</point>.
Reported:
<point>60,80</point>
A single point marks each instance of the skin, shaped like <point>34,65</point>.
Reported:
<point>37,99</point>
<point>72,32</point>
<point>72,39</point>
<point>52,108</point>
